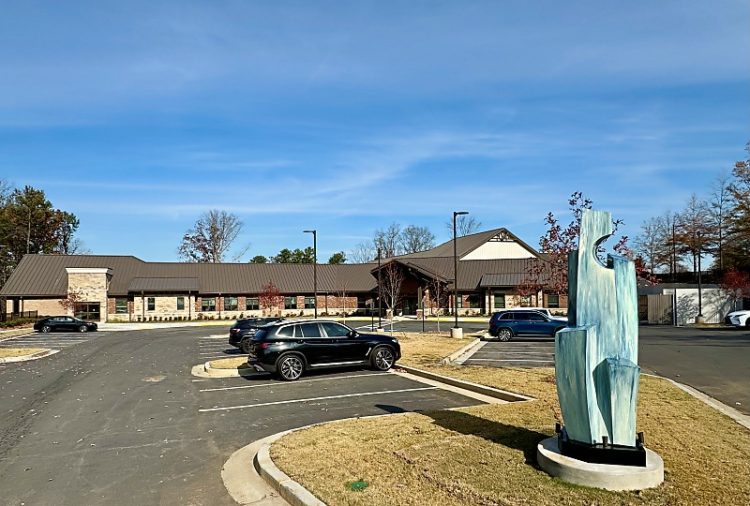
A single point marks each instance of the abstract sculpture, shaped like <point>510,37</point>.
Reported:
<point>596,357</point>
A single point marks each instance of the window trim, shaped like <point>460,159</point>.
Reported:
<point>150,303</point>
<point>179,300</point>
<point>118,310</point>
<point>289,306</point>
<point>204,304</point>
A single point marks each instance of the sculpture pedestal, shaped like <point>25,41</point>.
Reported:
<point>457,333</point>
<point>606,476</point>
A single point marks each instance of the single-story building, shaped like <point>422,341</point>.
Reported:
<point>491,267</point>
<point>657,303</point>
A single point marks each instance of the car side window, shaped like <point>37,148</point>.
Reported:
<point>287,331</point>
<point>506,316</point>
<point>521,316</point>
<point>334,329</point>
<point>68,319</point>
<point>309,329</point>
<point>537,317</point>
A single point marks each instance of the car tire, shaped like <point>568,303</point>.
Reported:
<point>504,334</point>
<point>83,328</point>
<point>46,329</point>
<point>290,367</point>
<point>382,358</point>
<point>245,346</point>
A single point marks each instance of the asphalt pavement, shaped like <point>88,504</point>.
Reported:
<point>118,419</point>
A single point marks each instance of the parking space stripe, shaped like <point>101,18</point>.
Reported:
<point>296,383</point>
<point>313,399</point>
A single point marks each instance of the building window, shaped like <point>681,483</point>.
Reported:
<point>208,304</point>
<point>121,305</point>
<point>499,300</point>
<point>230,303</point>
<point>86,310</point>
<point>251,304</point>
<point>459,301</point>
<point>553,300</point>
<point>180,303</point>
<point>309,302</point>
<point>151,304</point>
<point>473,301</point>
<point>290,302</point>
<point>525,300</point>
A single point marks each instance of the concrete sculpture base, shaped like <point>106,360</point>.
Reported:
<point>606,476</point>
<point>457,333</point>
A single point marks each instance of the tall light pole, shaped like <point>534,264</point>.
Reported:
<point>455,268</point>
<point>380,293</point>
<point>699,318</point>
<point>315,268</point>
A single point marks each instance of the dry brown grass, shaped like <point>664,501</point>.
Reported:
<point>230,363</point>
<point>486,454</point>
<point>18,352</point>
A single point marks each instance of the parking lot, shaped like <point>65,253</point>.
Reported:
<point>516,353</point>
<point>53,340</point>
<point>340,392</point>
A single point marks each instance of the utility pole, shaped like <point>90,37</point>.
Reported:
<point>380,293</point>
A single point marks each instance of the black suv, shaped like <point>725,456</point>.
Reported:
<point>243,330</point>
<point>289,348</point>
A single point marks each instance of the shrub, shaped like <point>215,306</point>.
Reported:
<point>17,322</point>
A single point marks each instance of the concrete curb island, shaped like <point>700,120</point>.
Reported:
<point>26,358</point>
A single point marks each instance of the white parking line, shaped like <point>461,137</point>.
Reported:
<point>295,383</point>
<point>510,352</point>
<point>313,399</point>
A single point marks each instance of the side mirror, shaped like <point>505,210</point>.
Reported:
<point>352,334</point>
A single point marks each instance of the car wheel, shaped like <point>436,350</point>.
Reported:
<point>382,358</point>
<point>245,346</point>
<point>290,367</point>
<point>83,328</point>
<point>46,329</point>
<point>504,334</point>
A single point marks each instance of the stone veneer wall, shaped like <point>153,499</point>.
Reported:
<point>91,285</point>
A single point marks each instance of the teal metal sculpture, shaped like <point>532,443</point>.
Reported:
<point>596,357</point>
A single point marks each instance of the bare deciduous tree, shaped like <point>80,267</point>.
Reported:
<point>388,241</point>
<point>413,239</point>
<point>69,303</point>
<point>652,245</point>
<point>720,214</point>
<point>391,279</point>
<point>363,253</point>
<point>465,225</point>
<point>211,237</point>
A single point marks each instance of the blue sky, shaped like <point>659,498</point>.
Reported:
<point>347,116</point>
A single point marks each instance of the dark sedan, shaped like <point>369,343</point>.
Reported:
<point>289,348</point>
<point>506,324</point>
<point>64,323</point>
<point>243,330</point>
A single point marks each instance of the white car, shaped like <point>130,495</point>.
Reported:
<point>739,318</point>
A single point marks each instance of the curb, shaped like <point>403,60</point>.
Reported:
<point>10,334</point>
<point>26,358</point>
<point>719,406</point>
<point>467,385</point>
<point>206,371</point>
<point>469,348</point>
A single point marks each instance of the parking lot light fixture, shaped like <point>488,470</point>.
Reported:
<point>315,269</point>
<point>380,304</point>
<point>455,268</point>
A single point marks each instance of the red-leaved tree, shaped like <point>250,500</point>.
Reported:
<point>557,243</point>
<point>270,298</point>
<point>737,285</point>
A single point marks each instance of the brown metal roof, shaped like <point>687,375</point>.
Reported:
<point>471,273</point>
<point>45,275</point>
<point>164,285</point>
